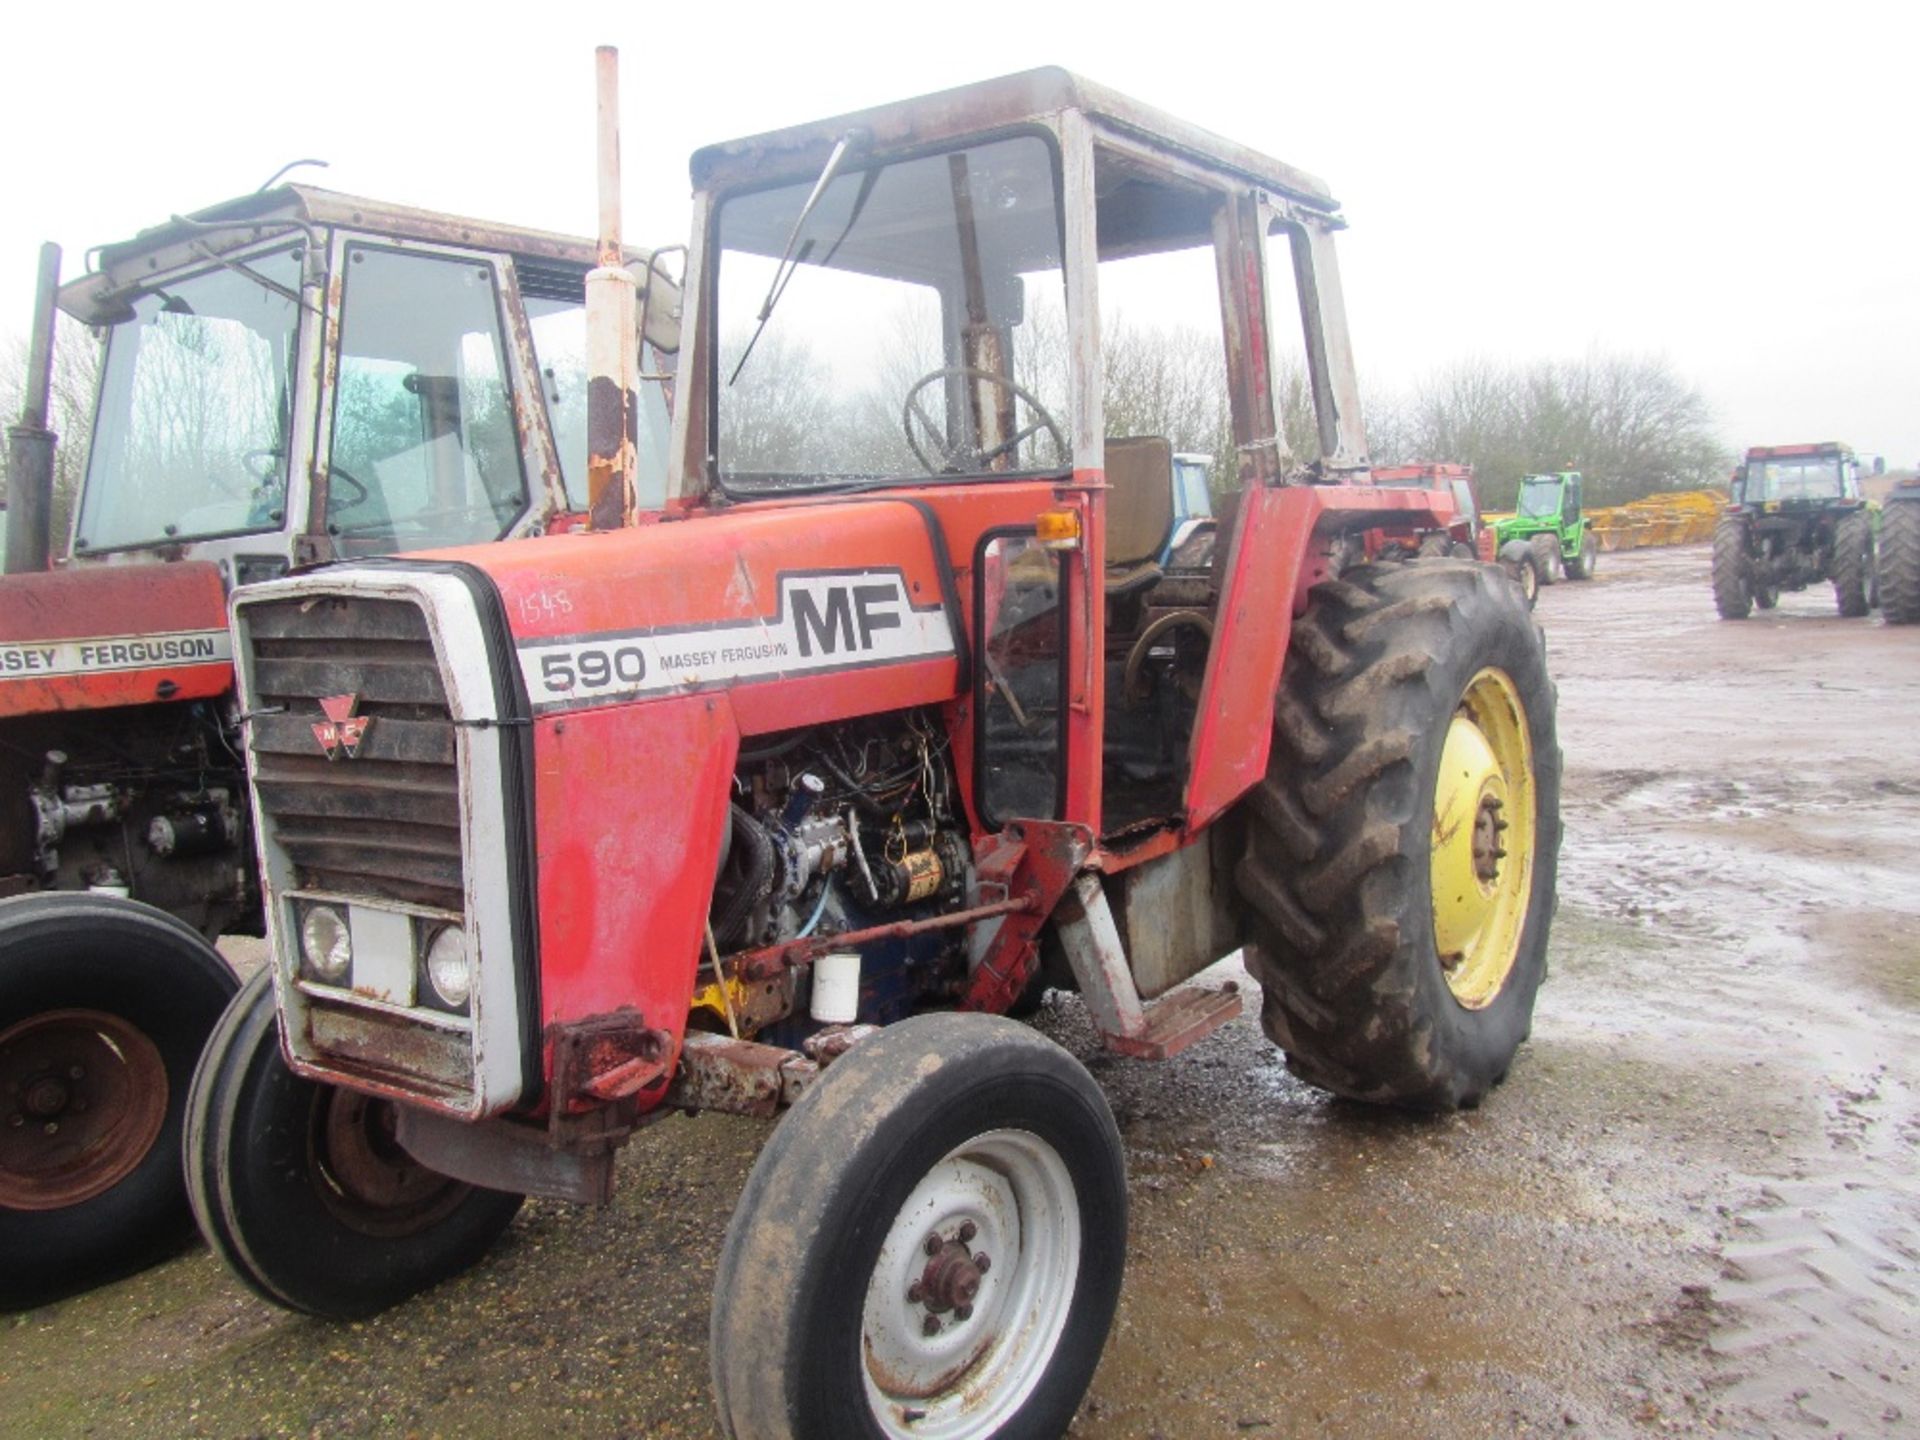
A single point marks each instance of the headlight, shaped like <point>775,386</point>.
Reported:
<point>448,970</point>
<point>326,945</point>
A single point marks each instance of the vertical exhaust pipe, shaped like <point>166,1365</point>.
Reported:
<point>30,442</point>
<point>613,352</point>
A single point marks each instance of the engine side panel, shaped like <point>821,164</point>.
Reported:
<point>120,635</point>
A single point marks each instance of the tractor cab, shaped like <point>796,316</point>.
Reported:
<point>1554,499</point>
<point>301,375</point>
<point>1776,477</point>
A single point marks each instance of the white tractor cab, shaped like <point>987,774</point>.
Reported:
<point>301,375</point>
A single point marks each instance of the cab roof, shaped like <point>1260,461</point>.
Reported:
<point>990,105</point>
<point>119,268</point>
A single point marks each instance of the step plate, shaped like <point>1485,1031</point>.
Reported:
<point>1179,1018</point>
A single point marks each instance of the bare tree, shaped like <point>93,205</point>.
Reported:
<point>76,369</point>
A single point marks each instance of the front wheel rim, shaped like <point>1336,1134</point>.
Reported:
<point>1484,825</point>
<point>972,1289</point>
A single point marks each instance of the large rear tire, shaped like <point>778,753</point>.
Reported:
<point>302,1189</point>
<point>1853,564</point>
<point>1401,854</point>
<point>104,1005</point>
<point>931,1244</point>
<point>1732,569</point>
<point>1900,561</point>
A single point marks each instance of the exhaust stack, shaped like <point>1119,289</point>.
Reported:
<point>613,358</point>
<point>30,442</point>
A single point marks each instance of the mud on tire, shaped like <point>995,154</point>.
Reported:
<point>1732,569</point>
<point>1852,563</point>
<point>1336,874</point>
<point>1900,561</point>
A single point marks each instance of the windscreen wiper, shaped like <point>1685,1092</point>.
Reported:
<point>794,254</point>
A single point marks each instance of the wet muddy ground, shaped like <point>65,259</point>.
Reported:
<point>1692,1209</point>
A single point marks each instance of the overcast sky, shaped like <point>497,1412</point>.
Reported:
<point>1734,187</point>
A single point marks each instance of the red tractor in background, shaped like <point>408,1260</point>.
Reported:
<point>1462,537</point>
<point>289,378</point>
<point>784,787</point>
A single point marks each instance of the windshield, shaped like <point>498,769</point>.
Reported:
<point>1192,499</point>
<point>1540,497</point>
<point>920,332</point>
<point>1804,477</point>
<point>191,435</point>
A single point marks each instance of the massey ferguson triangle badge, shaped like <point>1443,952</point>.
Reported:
<point>341,730</point>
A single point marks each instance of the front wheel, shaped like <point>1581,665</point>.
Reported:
<point>1733,587</point>
<point>1582,566</point>
<point>1546,556</point>
<point>303,1190</point>
<point>1398,878</point>
<point>930,1245</point>
<point>104,1004</point>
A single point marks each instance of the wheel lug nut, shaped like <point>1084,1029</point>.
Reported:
<point>930,1326</point>
<point>963,1312</point>
<point>76,1073</point>
<point>915,1293</point>
<point>78,1106</point>
<point>52,1127</point>
<point>982,1262</point>
<point>16,1120</point>
<point>932,1247</point>
<point>967,1231</point>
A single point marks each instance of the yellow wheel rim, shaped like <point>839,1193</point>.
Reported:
<point>1484,820</point>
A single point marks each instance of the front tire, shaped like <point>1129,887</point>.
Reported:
<point>1582,566</point>
<point>1900,562</point>
<point>104,1005</point>
<point>1546,556</point>
<point>1401,854</point>
<point>1852,564</point>
<point>1733,591</point>
<point>302,1190</point>
<point>931,1244</point>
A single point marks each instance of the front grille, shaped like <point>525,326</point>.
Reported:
<point>385,823</point>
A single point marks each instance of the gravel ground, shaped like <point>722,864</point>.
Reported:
<point>1692,1208</point>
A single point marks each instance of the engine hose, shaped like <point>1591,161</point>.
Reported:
<point>860,796</point>
<point>755,847</point>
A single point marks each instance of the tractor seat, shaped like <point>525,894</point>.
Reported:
<point>1139,509</point>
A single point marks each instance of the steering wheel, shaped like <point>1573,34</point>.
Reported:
<point>966,458</point>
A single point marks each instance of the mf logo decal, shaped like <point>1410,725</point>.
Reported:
<point>342,729</point>
<point>833,621</point>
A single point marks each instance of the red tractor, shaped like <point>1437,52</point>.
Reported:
<point>785,791</point>
<point>1461,538</point>
<point>292,377</point>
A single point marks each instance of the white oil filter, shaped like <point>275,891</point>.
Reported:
<point>836,988</point>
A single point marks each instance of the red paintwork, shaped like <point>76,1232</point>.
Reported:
<point>1773,452</point>
<point>631,796</point>
<point>114,603</point>
<point>629,802</point>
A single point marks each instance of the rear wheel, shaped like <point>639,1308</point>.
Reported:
<point>1733,589</point>
<point>930,1245</point>
<point>304,1191</point>
<point>1852,563</point>
<point>1581,566</point>
<point>1434,544</point>
<point>1546,557</point>
<point>1900,561</point>
<point>1401,854</point>
<point>104,1004</point>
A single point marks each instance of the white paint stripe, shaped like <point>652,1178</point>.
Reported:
<point>826,622</point>
<point>105,654</point>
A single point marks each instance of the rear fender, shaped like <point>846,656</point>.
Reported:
<point>1274,561</point>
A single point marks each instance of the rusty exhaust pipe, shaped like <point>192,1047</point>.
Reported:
<point>613,352</point>
<point>30,443</point>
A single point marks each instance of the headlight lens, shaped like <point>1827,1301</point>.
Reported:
<point>448,970</point>
<point>325,944</point>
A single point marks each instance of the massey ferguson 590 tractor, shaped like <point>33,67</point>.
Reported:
<point>287,378</point>
<point>879,714</point>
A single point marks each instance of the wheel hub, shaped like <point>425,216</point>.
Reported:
<point>1482,845</point>
<point>366,1177</point>
<point>83,1096</point>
